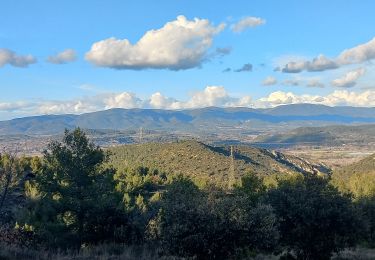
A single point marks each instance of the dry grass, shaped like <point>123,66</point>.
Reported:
<point>124,252</point>
<point>358,254</point>
<point>99,252</point>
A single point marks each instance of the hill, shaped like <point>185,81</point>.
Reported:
<point>328,135</point>
<point>210,163</point>
<point>204,120</point>
<point>358,178</point>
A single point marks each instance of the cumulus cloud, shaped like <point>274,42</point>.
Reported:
<point>358,54</point>
<point>210,96</point>
<point>122,100</point>
<point>350,98</point>
<point>63,57</point>
<point>227,70</point>
<point>246,67</point>
<point>336,98</point>
<point>247,22</point>
<point>269,81</point>
<point>349,79</point>
<point>10,57</point>
<point>179,44</point>
<point>278,98</point>
<point>157,100</point>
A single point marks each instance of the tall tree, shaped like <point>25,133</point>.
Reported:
<point>78,203</point>
<point>10,174</point>
<point>211,224</point>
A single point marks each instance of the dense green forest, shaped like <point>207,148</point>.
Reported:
<point>174,201</point>
<point>206,164</point>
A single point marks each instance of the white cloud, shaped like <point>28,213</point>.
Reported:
<point>157,100</point>
<point>349,79</point>
<point>122,100</point>
<point>269,81</point>
<point>63,57</point>
<point>14,106</point>
<point>358,54</point>
<point>336,98</point>
<point>247,22</point>
<point>278,98</point>
<point>351,98</point>
<point>210,96</point>
<point>294,67</point>
<point>11,58</point>
<point>179,44</point>
<point>321,63</point>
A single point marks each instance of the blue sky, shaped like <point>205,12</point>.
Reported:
<point>180,64</point>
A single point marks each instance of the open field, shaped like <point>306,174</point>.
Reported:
<point>334,157</point>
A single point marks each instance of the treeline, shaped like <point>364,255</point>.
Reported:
<point>71,199</point>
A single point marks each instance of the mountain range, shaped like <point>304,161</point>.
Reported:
<point>210,119</point>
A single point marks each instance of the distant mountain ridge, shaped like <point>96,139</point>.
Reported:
<point>191,119</point>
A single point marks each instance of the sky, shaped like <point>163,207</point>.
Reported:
<point>60,57</point>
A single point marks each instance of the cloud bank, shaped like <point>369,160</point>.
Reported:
<point>209,96</point>
<point>178,45</point>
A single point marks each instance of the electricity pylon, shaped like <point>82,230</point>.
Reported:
<point>231,178</point>
<point>140,135</point>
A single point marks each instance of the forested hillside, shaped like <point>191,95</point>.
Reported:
<point>71,203</point>
<point>207,163</point>
<point>358,178</point>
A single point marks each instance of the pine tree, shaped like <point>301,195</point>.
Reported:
<point>78,202</point>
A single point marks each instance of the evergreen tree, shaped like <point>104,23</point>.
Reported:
<point>78,203</point>
<point>315,218</point>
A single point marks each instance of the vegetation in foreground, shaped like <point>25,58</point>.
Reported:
<point>73,203</point>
